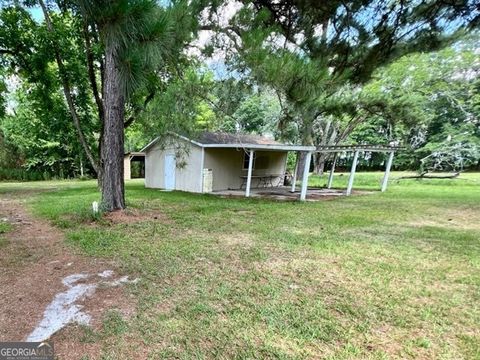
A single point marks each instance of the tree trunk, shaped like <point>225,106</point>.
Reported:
<point>81,167</point>
<point>307,139</point>
<point>320,159</point>
<point>112,146</point>
<point>67,91</point>
<point>328,137</point>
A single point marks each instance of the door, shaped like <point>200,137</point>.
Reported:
<point>169,171</point>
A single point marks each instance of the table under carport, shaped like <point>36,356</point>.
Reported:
<point>251,148</point>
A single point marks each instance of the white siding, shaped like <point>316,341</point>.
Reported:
<point>187,174</point>
<point>127,172</point>
<point>226,165</point>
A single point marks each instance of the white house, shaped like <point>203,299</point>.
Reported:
<point>218,161</point>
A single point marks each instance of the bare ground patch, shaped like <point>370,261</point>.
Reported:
<point>462,218</point>
<point>33,264</point>
<point>132,215</point>
<point>238,239</point>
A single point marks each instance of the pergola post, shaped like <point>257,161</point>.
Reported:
<point>387,171</point>
<point>332,170</point>
<point>352,173</point>
<point>306,169</point>
<point>294,179</point>
<point>249,174</point>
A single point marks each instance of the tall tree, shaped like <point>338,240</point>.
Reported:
<point>443,86</point>
<point>308,50</point>
<point>35,96</point>
<point>127,50</point>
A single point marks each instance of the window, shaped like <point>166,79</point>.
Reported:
<point>246,160</point>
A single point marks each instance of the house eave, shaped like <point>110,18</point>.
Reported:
<point>272,147</point>
<point>265,147</point>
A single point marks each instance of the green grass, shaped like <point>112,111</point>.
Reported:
<point>387,275</point>
<point>4,228</point>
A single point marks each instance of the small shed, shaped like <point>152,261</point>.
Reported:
<point>218,161</point>
<point>134,165</point>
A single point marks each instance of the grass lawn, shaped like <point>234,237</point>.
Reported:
<point>4,227</point>
<point>392,275</point>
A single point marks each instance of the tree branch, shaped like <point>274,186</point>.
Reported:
<point>91,71</point>
<point>67,91</point>
<point>139,109</point>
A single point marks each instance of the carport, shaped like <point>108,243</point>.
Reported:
<point>252,148</point>
<point>356,149</point>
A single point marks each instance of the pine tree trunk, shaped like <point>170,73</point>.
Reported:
<point>112,146</point>
<point>307,139</point>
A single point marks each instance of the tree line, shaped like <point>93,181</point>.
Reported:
<point>83,81</point>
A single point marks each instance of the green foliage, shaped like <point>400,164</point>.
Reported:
<point>51,144</point>
<point>5,227</point>
<point>258,113</point>
<point>36,99</point>
<point>438,116</point>
<point>330,74</point>
<point>317,57</point>
<point>182,107</point>
<point>114,324</point>
<point>150,40</point>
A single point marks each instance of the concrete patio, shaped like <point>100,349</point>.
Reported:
<point>284,193</point>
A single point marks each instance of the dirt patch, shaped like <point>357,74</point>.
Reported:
<point>129,216</point>
<point>284,194</point>
<point>453,218</point>
<point>239,239</point>
<point>73,343</point>
<point>33,265</point>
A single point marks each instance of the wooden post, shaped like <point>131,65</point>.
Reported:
<point>308,159</point>
<point>352,173</point>
<point>332,170</point>
<point>387,172</point>
<point>249,175</point>
<point>294,179</point>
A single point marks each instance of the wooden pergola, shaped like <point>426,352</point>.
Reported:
<point>356,149</point>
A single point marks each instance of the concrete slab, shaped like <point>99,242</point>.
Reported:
<point>284,193</point>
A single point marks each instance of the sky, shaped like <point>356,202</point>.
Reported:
<point>36,13</point>
<point>216,62</point>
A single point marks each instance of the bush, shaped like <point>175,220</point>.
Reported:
<point>23,174</point>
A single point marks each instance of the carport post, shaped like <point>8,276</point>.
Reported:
<point>387,172</point>
<point>294,179</point>
<point>332,170</point>
<point>352,173</point>
<point>249,175</point>
<point>308,158</point>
